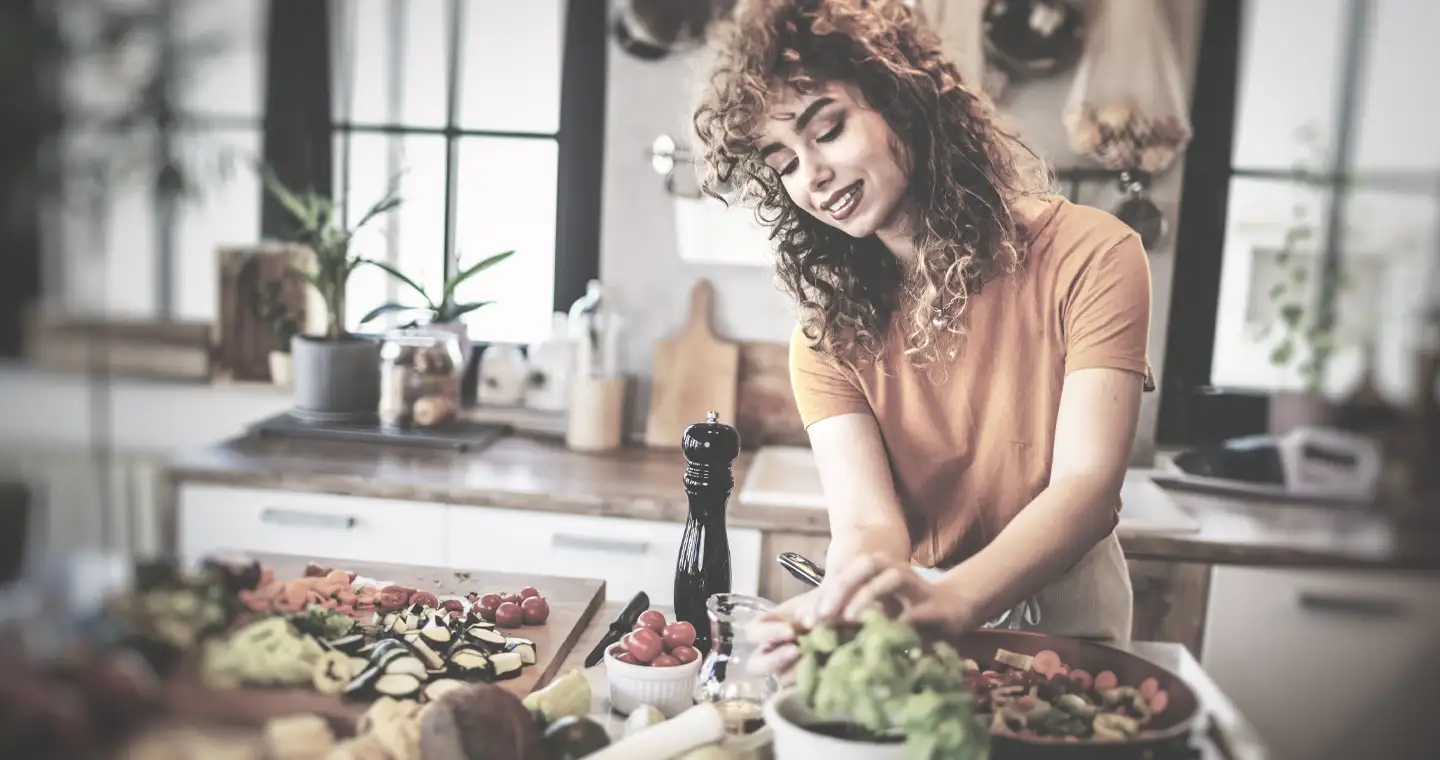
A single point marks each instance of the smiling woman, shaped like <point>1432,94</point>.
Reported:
<point>970,351</point>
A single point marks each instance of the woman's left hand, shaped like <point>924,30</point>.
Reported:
<point>870,580</point>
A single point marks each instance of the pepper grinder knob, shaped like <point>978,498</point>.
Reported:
<point>710,447</point>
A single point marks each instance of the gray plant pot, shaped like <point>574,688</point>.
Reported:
<point>335,381</point>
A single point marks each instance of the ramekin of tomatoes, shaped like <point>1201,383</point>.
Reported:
<point>655,664</point>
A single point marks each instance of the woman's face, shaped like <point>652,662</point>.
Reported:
<point>837,158</point>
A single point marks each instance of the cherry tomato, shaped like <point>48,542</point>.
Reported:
<point>664,661</point>
<point>1148,687</point>
<point>509,615</point>
<point>1082,679</point>
<point>652,619</point>
<point>528,591</point>
<point>1106,681</point>
<point>645,644</point>
<point>535,609</point>
<point>1157,703</point>
<point>620,654</point>
<point>679,634</point>
<point>486,611</point>
<point>685,654</point>
<point>511,598</point>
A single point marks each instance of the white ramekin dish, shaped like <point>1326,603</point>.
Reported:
<point>670,690</point>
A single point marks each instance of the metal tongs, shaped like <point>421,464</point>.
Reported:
<point>802,568</point>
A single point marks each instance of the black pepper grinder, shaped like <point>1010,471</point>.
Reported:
<point>703,567</point>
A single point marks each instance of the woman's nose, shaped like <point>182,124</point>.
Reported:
<point>820,176</point>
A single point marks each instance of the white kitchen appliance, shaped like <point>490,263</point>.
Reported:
<point>1313,464</point>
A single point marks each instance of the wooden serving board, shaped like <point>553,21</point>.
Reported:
<point>573,604</point>
<point>694,372</point>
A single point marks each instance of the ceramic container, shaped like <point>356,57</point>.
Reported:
<point>670,690</point>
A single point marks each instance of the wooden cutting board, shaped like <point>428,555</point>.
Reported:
<point>573,603</point>
<point>694,372</point>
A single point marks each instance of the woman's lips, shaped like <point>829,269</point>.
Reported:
<point>845,204</point>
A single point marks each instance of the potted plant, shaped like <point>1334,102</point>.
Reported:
<point>335,375</point>
<point>445,313</point>
<point>267,301</point>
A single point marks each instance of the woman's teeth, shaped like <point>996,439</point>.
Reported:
<point>843,206</point>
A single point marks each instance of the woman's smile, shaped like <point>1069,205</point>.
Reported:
<point>844,202</point>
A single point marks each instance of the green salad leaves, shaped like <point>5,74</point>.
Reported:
<point>883,678</point>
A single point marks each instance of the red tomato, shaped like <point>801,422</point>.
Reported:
<point>620,654</point>
<point>486,611</point>
<point>685,654</point>
<point>529,591</point>
<point>491,600</point>
<point>535,610</point>
<point>644,643</point>
<point>1106,681</point>
<point>664,661</point>
<point>509,615</point>
<point>652,619</point>
<point>1157,703</point>
<point>1045,662</point>
<point>1082,679</point>
<point>679,634</point>
<point>1148,687</point>
<point>511,598</point>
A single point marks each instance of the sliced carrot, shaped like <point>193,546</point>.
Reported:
<point>1157,702</point>
<point>1106,681</point>
<point>1045,662</point>
<point>1148,687</point>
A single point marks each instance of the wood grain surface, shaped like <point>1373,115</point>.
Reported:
<point>573,603</point>
<point>694,372</point>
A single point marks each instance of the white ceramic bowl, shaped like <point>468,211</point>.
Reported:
<point>786,717</point>
<point>670,690</point>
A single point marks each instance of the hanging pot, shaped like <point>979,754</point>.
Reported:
<point>1034,38</point>
<point>653,29</point>
<point>1138,211</point>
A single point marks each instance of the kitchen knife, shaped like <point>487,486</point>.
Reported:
<point>622,625</point>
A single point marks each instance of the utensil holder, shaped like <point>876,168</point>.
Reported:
<point>596,419</point>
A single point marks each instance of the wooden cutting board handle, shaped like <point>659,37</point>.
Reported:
<point>695,372</point>
<point>702,301</point>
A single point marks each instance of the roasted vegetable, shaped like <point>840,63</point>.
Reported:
<point>567,695</point>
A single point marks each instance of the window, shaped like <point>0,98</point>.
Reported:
<point>1314,171</point>
<point>459,103</point>
<point>489,112</point>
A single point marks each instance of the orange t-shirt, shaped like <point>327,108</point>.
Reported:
<point>971,450</point>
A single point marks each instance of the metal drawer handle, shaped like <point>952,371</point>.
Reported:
<point>280,516</point>
<point>565,540</point>
<point>1387,609</point>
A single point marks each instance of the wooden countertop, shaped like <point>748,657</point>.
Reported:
<point>521,472</point>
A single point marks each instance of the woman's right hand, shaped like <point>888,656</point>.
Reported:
<point>773,634</point>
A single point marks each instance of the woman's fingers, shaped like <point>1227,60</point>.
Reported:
<point>894,582</point>
<point>769,634</point>
<point>775,661</point>
<point>839,587</point>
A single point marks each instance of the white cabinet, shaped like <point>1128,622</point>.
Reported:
<point>1328,664</point>
<point>217,518</point>
<point>630,555</point>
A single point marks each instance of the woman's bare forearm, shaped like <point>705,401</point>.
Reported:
<point>888,539</point>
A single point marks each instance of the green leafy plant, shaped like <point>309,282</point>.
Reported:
<point>330,241</point>
<point>446,310</point>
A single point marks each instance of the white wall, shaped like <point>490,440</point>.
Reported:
<point>638,241</point>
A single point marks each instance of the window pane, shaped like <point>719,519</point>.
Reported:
<point>106,85</point>
<point>511,65</point>
<point>1262,215</point>
<point>230,80</point>
<point>506,201</point>
<point>1289,79</point>
<point>372,36</point>
<point>413,236</point>
<point>108,225</point>
<point>1389,261</point>
<point>225,211</point>
<point>1397,125</point>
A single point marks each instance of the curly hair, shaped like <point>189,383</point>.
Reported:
<point>965,170</point>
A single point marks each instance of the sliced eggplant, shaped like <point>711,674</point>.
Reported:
<point>362,687</point>
<point>506,665</point>
<point>427,654</point>
<point>473,619</point>
<point>410,637</point>
<point>467,657</point>
<point>435,674</point>
<point>348,644</point>
<point>488,638</point>
<point>389,620</point>
<point>417,609</point>
<point>436,634</point>
<point>331,673</point>
<point>435,689</point>
<point>407,664</point>
<point>369,651</point>
<point>522,647</point>
<point>357,664</point>
<point>394,653</point>
<point>398,685</point>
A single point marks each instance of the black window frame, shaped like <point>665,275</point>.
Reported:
<point>293,120</point>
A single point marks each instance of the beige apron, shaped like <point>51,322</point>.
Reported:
<point>1092,600</point>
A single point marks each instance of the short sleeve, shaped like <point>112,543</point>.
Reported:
<point>1107,313</point>
<point>821,388</point>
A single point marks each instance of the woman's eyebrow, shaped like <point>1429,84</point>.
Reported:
<point>805,118</point>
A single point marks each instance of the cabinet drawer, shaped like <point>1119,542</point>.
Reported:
<point>1327,664</point>
<point>309,525</point>
<point>629,555</point>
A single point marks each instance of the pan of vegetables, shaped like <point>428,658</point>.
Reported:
<point>991,692</point>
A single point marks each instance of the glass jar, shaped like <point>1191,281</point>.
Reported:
<point>420,374</point>
<point>725,677</point>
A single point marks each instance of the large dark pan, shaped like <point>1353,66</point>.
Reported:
<point>1168,730</point>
